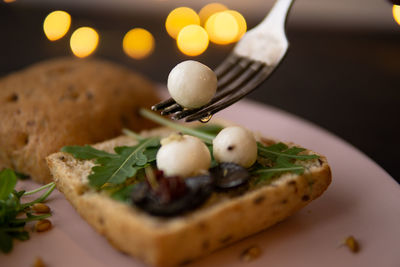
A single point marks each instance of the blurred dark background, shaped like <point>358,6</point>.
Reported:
<point>344,79</point>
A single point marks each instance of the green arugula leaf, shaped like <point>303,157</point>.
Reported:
<point>86,152</point>
<point>124,194</point>
<point>116,168</point>
<point>131,159</point>
<point>151,153</point>
<point>274,151</point>
<point>282,166</point>
<point>8,180</point>
<point>282,158</point>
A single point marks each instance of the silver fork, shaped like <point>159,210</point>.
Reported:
<point>252,61</point>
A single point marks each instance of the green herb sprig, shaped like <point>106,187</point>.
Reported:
<point>282,158</point>
<point>14,214</point>
<point>115,169</point>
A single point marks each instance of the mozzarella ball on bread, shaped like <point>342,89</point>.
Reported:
<point>183,155</point>
<point>192,84</point>
<point>235,144</point>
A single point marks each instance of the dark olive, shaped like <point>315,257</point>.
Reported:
<point>229,175</point>
<point>139,192</point>
<point>197,191</point>
<point>199,181</point>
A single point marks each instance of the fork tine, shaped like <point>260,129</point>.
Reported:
<point>227,64</point>
<point>163,104</point>
<point>241,80</point>
<point>222,69</point>
<point>239,67</point>
<point>227,101</point>
<point>171,109</point>
<point>252,70</point>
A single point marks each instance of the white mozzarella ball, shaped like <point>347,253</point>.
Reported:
<point>183,155</point>
<point>235,144</point>
<point>192,84</point>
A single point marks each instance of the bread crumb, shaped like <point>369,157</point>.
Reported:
<point>251,253</point>
<point>43,225</point>
<point>352,244</point>
<point>40,208</point>
<point>38,262</point>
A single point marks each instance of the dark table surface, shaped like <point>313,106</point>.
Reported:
<point>345,80</point>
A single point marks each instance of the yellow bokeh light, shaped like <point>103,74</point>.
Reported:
<point>179,18</point>
<point>9,1</point>
<point>241,23</point>
<point>222,28</point>
<point>138,43</point>
<point>192,40</point>
<point>209,10</point>
<point>84,41</point>
<point>56,25</point>
<point>396,13</point>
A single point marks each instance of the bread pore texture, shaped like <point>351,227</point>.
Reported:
<point>66,101</point>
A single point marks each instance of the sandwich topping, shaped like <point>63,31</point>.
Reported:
<point>170,176</point>
<point>183,155</point>
<point>235,144</point>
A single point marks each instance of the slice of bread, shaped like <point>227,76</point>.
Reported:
<point>66,101</point>
<point>173,241</point>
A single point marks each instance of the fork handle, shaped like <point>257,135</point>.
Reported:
<point>276,18</point>
<point>267,41</point>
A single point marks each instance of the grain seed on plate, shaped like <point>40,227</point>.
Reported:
<point>352,244</point>
<point>38,262</point>
<point>250,253</point>
<point>40,208</point>
<point>43,225</point>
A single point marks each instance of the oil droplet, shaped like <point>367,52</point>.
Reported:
<point>206,119</point>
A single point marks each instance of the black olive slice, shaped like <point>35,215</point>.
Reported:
<point>229,175</point>
<point>199,181</point>
<point>139,192</point>
<point>198,191</point>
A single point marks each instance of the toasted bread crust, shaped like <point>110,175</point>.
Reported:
<point>66,102</point>
<point>177,240</point>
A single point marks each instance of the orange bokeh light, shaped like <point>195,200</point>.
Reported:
<point>192,40</point>
<point>241,23</point>
<point>209,10</point>
<point>56,25</point>
<point>396,13</point>
<point>222,28</point>
<point>84,41</point>
<point>138,43</point>
<point>179,18</point>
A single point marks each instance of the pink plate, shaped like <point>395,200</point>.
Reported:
<point>363,201</point>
